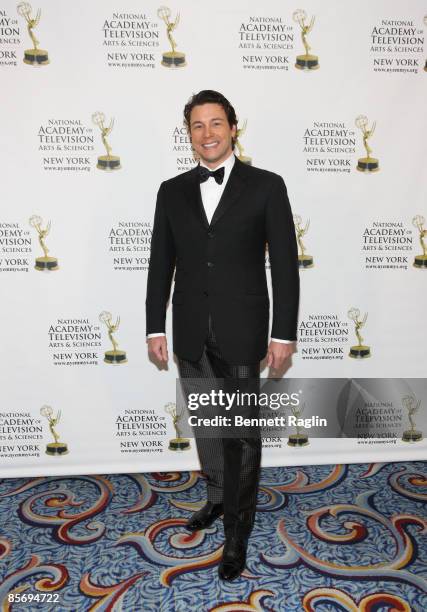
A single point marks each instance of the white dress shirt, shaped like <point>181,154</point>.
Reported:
<point>211,192</point>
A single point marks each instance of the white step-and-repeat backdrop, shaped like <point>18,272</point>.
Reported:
<point>330,96</point>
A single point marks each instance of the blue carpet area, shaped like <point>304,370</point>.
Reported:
<point>342,538</point>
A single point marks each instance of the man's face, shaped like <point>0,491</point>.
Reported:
<point>211,133</point>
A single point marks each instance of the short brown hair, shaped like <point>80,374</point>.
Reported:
<point>209,96</point>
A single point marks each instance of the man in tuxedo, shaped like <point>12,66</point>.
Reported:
<point>212,225</point>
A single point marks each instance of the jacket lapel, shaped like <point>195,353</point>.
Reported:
<point>192,190</point>
<point>232,191</point>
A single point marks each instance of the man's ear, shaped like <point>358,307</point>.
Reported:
<point>234,134</point>
<point>187,127</point>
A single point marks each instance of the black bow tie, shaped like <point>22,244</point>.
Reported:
<point>218,175</point>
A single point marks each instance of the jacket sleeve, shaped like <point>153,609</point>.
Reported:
<point>161,268</point>
<point>283,254</point>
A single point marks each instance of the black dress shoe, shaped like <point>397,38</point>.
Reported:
<point>233,558</point>
<point>204,517</point>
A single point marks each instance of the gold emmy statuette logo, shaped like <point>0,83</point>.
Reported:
<point>115,356</point>
<point>44,263</point>
<point>298,439</point>
<point>179,443</point>
<point>425,23</point>
<point>171,59</point>
<point>243,158</point>
<point>368,163</point>
<point>420,261</point>
<point>304,260</point>
<point>35,56</point>
<point>306,61</point>
<point>412,405</point>
<point>106,162</point>
<point>358,351</point>
<point>53,448</point>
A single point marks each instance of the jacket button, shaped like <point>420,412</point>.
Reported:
<point>210,264</point>
<point>211,234</point>
<point>206,293</point>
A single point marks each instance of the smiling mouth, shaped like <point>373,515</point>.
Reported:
<point>210,145</point>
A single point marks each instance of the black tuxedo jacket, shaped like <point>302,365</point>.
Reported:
<point>220,267</point>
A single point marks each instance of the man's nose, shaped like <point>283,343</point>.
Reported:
<point>207,132</point>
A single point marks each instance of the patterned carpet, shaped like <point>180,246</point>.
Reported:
<point>327,538</point>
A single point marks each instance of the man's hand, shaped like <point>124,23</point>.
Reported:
<point>277,354</point>
<point>158,348</point>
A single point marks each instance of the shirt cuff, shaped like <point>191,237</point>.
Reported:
<point>159,335</point>
<point>282,341</point>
